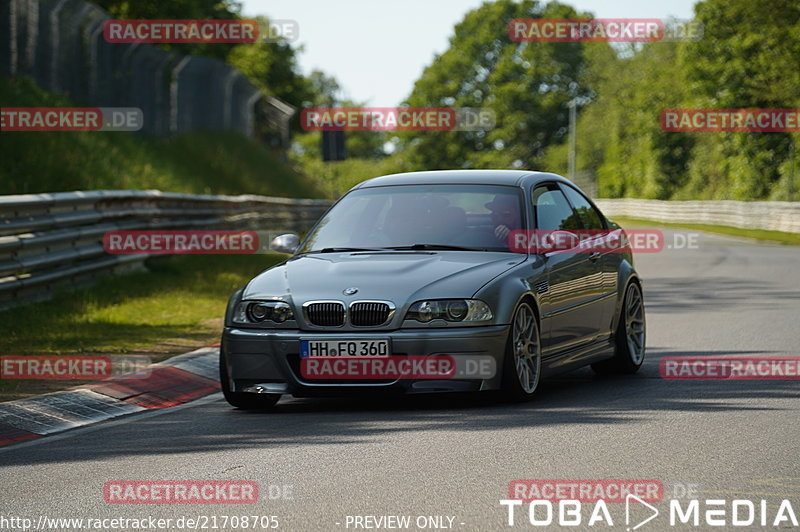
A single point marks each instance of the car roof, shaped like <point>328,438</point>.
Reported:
<point>484,177</point>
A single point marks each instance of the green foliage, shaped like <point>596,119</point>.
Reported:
<point>337,177</point>
<point>272,67</point>
<point>211,163</point>
<point>528,85</point>
<point>749,54</point>
<point>359,144</point>
<point>178,9</point>
<point>746,59</point>
<point>174,299</point>
<point>176,305</point>
<point>619,134</point>
<point>174,9</point>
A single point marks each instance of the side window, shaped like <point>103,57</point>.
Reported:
<point>590,217</point>
<point>552,210</point>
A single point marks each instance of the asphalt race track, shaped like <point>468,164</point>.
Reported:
<point>454,456</point>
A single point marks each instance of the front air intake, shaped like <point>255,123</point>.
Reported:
<point>369,313</point>
<point>326,314</point>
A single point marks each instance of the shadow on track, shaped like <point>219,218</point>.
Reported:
<point>577,398</point>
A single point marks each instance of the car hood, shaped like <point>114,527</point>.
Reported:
<point>395,276</point>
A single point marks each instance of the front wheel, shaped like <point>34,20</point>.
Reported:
<point>245,401</point>
<point>522,364</point>
<point>629,339</point>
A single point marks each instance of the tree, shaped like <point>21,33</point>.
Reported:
<point>747,58</point>
<point>527,85</point>
<point>272,67</point>
<point>179,9</point>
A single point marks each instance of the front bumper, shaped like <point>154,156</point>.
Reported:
<point>266,361</point>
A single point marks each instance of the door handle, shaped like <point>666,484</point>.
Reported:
<point>594,256</point>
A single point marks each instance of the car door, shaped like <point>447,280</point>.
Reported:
<point>571,307</point>
<point>606,256</point>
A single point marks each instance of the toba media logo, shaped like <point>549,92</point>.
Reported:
<point>595,503</point>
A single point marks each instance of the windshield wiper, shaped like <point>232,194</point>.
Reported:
<point>431,247</point>
<point>343,250</point>
<point>414,247</point>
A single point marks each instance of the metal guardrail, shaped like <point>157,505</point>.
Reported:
<point>769,215</point>
<point>49,241</point>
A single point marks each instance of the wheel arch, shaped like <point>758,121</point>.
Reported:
<point>626,277</point>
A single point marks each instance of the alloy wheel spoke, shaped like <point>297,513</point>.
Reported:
<point>636,341</point>
<point>523,375</point>
<point>526,349</point>
<point>634,323</point>
<point>519,323</point>
<point>528,323</point>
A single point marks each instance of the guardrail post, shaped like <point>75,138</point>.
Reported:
<point>227,109</point>
<point>13,54</point>
<point>251,103</point>
<point>173,93</point>
<point>55,32</point>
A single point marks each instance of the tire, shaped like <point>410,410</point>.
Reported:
<point>522,363</point>
<point>244,401</point>
<point>629,338</point>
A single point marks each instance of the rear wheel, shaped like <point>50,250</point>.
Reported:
<point>629,339</point>
<point>522,364</point>
<point>245,401</point>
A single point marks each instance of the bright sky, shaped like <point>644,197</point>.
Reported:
<point>376,49</point>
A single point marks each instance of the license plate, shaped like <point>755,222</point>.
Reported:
<point>375,347</point>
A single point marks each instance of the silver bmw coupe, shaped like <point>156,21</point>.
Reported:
<point>458,280</point>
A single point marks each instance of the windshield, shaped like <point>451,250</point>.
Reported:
<point>473,217</point>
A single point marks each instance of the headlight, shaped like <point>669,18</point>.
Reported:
<point>450,310</point>
<point>261,311</point>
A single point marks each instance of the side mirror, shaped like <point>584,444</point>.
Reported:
<point>287,243</point>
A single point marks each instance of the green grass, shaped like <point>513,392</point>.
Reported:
<point>334,178</point>
<point>199,163</point>
<point>757,234</point>
<point>176,306</point>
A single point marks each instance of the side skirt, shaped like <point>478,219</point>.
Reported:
<point>578,358</point>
